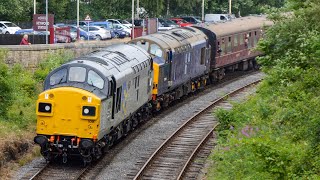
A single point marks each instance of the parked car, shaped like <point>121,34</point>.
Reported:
<point>165,24</point>
<point>7,27</point>
<point>217,17</point>
<point>191,19</point>
<point>106,25</point>
<point>137,22</point>
<point>113,21</point>
<point>122,29</point>
<point>125,23</point>
<point>181,22</point>
<point>32,32</point>
<point>100,32</point>
<point>83,34</point>
<point>25,31</point>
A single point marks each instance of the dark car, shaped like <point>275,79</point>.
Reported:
<point>191,19</point>
<point>137,22</point>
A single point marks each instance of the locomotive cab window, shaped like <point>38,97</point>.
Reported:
<point>77,74</point>
<point>143,44</point>
<point>58,77</point>
<point>95,80</point>
<point>155,50</point>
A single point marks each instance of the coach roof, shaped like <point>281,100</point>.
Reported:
<point>239,25</point>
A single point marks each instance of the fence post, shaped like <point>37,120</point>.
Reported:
<point>51,35</point>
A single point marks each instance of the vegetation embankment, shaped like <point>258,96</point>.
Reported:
<point>22,11</point>
<point>19,89</point>
<point>276,134</point>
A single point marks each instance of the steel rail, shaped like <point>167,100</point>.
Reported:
<point>190,120</point>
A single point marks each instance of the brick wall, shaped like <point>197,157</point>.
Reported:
<point>30,55</point>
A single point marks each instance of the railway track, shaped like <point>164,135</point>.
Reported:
<point>75,170</point>
<point>176,154</point>
<point>57,171</point>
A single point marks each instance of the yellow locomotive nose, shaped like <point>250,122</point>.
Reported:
<point>68,111</point>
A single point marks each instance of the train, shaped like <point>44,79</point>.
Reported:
<point>92,101</point>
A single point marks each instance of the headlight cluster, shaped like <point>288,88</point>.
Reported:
<point>45,107</point>
<point>88,111</point>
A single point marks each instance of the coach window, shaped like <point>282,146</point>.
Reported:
<point>255,37</point>
<point>249,36</point>
<point>95,80</point>
<point>58,77</point>
<point>242,36</point>
<point>229,48</point>
<point>223,46</point>
<point>155,50</point>
<point>77,74</point>
<point>235,40</point>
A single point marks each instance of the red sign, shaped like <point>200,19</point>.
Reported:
<point>39,22</point>
<point>62,35</point>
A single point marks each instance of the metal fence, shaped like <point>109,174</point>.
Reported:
<point>15,39</point>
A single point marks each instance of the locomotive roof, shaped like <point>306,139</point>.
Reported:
<point>239,25</point>
<point>175,37</point>
<point>115,58</point>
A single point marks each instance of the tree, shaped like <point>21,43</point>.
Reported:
<point>16,10</point>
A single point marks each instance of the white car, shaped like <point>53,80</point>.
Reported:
<point>123,28</point>
<point>126,23</point>
<point>100,32</point>
<point>118,21</point>
<point>7,27</point>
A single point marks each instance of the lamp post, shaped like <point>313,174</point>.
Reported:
<point>132,18</point>
<point>202,11</point>
<point>229,7</point>
<point>78,30</point>
<point>138,10</point>
<point>46,21</point>
<point>34,6</point>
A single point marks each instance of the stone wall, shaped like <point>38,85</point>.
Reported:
<point>31,55</point>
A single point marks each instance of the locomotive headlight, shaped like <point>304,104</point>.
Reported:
<point>45,107</point>
<point>88,111</point>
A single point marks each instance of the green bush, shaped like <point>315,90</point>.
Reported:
<point>276,134</point>
<point>50,63</point>
<point>19,90</point>
<point>5,89</point>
